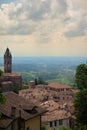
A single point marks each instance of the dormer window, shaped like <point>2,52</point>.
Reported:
<point>32,111</point>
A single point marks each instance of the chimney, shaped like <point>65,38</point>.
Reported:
<point>13,111</point>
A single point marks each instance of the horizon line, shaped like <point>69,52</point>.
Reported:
<point>47,56</point>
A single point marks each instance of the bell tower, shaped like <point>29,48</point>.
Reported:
<point>7,61</point>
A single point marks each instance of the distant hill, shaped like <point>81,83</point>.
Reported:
<point>60,69</point>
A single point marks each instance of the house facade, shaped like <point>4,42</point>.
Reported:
<point>56,124</point>
<point>19,114</point>
<point>56,119</point>
<point>19,124</point>
<point>61,92</point>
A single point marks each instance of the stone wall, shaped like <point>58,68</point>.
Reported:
<point>6,86</point>
<point>9,80</point>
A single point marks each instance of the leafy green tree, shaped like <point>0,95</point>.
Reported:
<point>2,98</point>
<point>81,127</point>
<point>39,80</point>
<point>81,107</point>
<point>81,76</point>
<point>36,82</point>
<point>1,72</point>
<point>64,128</point>
<point>15,88</point>
<point>81,97</point>
<point>43,127</point>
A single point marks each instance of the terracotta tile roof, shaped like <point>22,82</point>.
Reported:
<point>50,105</point>
<point>55,115</point>
<point>4,122</point>
<point>57,85</point>
<point>36,94</point>
<point>21,104</point>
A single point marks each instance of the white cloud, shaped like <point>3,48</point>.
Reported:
<point>58,23</point>
<point>25,16</point>
<point>29,16</point>
<point>77,11</point>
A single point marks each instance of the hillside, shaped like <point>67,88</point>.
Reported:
<point>60,69</point>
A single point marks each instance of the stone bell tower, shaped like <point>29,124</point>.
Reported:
<point>7,61</point>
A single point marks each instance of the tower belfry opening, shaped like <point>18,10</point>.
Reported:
<point>7,61</point>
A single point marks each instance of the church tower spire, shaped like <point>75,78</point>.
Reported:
<point>7,61</point>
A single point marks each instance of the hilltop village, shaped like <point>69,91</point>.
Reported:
<point>49,105</point>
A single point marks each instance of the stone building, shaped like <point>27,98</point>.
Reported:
<point>61,92</point>
<point>9,79</point>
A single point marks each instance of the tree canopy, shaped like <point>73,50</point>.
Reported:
<point>64,128</point>
<point>39,80</point>
<point>81,97</point>
<point>1,72</point>
<point>43,127</point>
<point>2,98</point>
<point>81,107</point>
<point>81,76</point>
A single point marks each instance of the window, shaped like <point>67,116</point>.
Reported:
<point>50,123</point>
<point>55,123</point>
<point>63,98</point>
<point>62,89</point>
<point>60,122</point>
<point>28,128</point>
<point>58,90</point>
<point>67,89</point>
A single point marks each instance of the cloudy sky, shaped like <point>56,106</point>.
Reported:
<point>43,27</point>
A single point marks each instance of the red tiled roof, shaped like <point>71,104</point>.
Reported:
<point>4,122</point>
<point>21,104</point>
<point>50,105</point>
<point>55,115</point>
<point>58,85</point>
